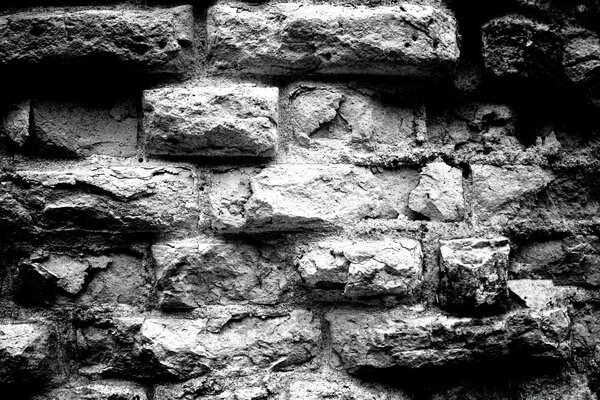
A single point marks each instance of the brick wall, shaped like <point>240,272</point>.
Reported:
<point>347,200</point>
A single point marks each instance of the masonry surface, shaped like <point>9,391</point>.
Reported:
<point>300,200</point>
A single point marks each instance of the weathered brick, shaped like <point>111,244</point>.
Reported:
<point>332,122</point>
<point>567,261</point>
<point>149,40</point>
<point>14,122</point>
<point>364,267</point>
<point>439,194</point>
<point>83,127</point>
<point>112,276</point>
<point>581,61</point>
<point>97,390</point>
<point>401,338</point>
<point>27,352</point>
<point>295,38</point>
<point>196,272</point>
<point>88,196</point>
<point>211,118</point>
<point>498,193</point>
<point>474,272</point>
<point>540,294</point>
<point>317,388</point>
<point>518,47</point>
<point>307,197</point>
<point>187,348</point>
<point>473,131</point>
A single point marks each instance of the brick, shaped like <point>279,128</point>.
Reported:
<point>156,40</point>
<point>295,38</point>
<point>27,352</point>
<point>540,294</point>
<point>14,122</point>
<point>360,268</point>
<point>213,119</point>
<point>98,390</point>
<point>195,272</point>
<point>297,197</point>
<point>401,338</point>
<point>75,128</point>
<point>571,260</point>
<point>498,193</point>
<point>150,347</point>
<point>521,48</point>
<point>88,196</point>
<point>335,123</point>
<point>317,388</point>
<point>474,273</point>
<point>581,61</point>
<point>439,194</point>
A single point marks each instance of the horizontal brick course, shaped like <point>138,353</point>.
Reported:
<point>295,38</point>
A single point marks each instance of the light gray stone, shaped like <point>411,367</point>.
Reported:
<point>414,340</point>
<point>27,352</point>
<point>364,267</point>
<point>340,125</point>
<point>151,347</point>
<point>211,118</point>
<point>98,390</point>
<point>498,193</point>
<point>14,123</point>
<point>581,60</point>
<point>540,294</point>
<point>474,272</point>
<point>91,196</point>
<point>156,40</point>
<point>439,194</point>
<point>296,197</point>
<point>318,388</point>
<point>297,38</point>
<point>194,272</point>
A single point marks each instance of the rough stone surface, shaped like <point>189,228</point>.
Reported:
<point>211,119</point>
<point>473,130</point>
<point>568,261</point>
<point>101,390</point>
<point>439,194</point>
<point>321,388</point>
<point>26,352</point>
<point>150,40</point>
<point>538,387</point>
<point>295,38</point>
<point>80,128</point>
<point>14,123</point>
<point>364,268</point>
<point>305,197</point>
<point>474,272</point>
<point>98,198</point>
<point>397,339</point>
<point>335,123</point>
<point>186,348</point>
<point>279,385</point>
<point>499,192</point>
<point>581,61</point>
<point>70,272</point>
<point>539,294</point>
<point>299,200</point>
<point>518,47</point>
<point>195,272</point>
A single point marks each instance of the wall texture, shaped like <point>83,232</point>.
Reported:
<point>310,200</point>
